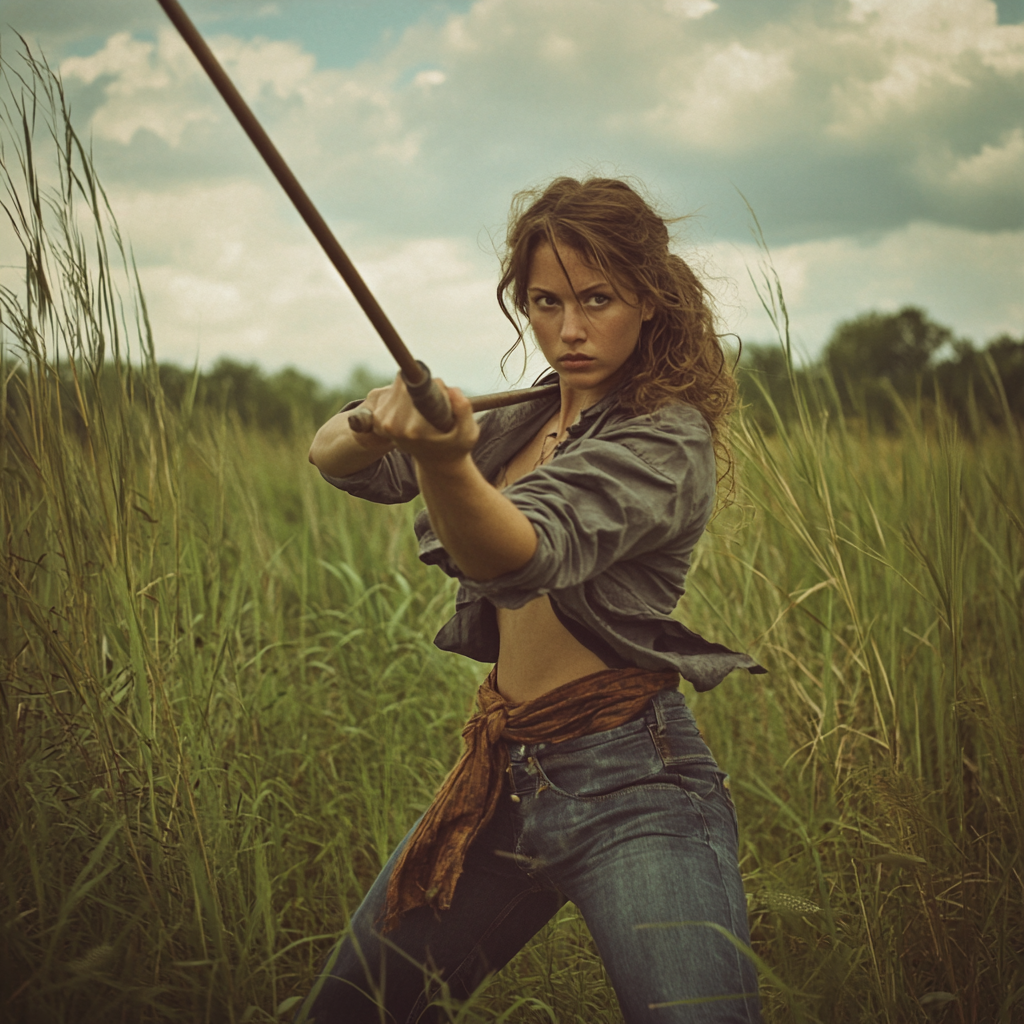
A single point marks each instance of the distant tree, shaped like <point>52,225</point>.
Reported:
<point>764,382</point>
<point>175,382</point>
<point>875,360</point>
<point>964,382</point>
<point>955,379</point>
<point>766,388</point>
<point>876,354</point>
<point>1008,356</point>
<point>361,381</point>
<point>285,402</point>
<point>896,347</point>
<point>244,389</point>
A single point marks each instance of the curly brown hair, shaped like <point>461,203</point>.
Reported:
<point>679,354</point>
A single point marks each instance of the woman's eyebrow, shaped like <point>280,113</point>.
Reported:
<point>597,286</point>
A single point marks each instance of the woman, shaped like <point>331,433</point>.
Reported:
<point>570,525</point>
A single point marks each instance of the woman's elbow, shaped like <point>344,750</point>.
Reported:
<point>515,553</point>
<point>316,449</point>
<point>327,451</point>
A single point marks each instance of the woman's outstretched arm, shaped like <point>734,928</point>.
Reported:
<point>339,451</point>
<point>482,531</point>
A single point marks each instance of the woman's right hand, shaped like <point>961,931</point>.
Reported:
<point>375,439</point>
<point>396,418</point>
<point>338,450</point>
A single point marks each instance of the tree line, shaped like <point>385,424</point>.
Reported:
<point>873,368</point>
<point>877,365</point>
<point>285,402</point>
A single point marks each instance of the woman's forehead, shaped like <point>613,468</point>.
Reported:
<point>547,260</point>
<point>554,266</point>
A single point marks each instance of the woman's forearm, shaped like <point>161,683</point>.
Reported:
<point>338,451</point>
<point>483,532</point>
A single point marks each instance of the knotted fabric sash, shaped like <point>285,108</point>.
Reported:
<point>432,860</point>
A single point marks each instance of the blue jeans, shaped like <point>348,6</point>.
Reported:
<point>635,826</point>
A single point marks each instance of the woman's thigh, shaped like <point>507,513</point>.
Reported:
<point>665,907</point>
<point>495,909</point>
<point>635,827</point>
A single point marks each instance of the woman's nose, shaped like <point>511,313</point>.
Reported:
<point>574,323</point>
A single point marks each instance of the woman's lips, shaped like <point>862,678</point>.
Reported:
<point>576,360</point>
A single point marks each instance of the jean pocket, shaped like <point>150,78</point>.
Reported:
<point>679,743</point>
<point>603,770</point>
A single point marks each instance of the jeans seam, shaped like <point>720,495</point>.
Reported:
<point>740,959</point>
<point>714,848</point>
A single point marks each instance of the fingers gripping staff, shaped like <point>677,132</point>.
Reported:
<point>431,400</point>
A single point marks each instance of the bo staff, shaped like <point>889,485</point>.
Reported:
<point>428,398</point>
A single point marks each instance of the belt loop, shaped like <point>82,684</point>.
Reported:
<point>659,716</point>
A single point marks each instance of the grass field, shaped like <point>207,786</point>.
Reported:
<point>221,705</point>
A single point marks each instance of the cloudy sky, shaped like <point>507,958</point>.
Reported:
<point>880,142</point>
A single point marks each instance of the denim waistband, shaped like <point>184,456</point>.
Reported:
<point>662,708</point>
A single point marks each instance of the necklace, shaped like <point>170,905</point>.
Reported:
<point>544,453</point>
<point>544,456</point>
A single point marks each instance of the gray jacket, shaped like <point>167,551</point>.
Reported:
<point>617,512</point>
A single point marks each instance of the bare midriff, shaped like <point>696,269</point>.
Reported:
<point>537,653</point>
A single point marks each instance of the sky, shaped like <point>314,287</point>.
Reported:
<point>880,144</point>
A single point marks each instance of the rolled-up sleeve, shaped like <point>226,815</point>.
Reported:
<point>390,480</point>
<point>608,499</point>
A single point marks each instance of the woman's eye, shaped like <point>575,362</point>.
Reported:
<point>599,300</point>
<point>543,302</point>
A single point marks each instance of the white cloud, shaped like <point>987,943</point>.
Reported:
<point>426,79</point>
<point>970,280</point>
<point>991,165</point>
<point>283,68</point>
<point>908,91</point>
<point>942,28</point>
<point>915,54</point>
<point>557,48</point>
<point>202,300</point>
<point>228,271</point>
<point>720,105</point>
<point>143,88</point>
<point>864,105</point>
<point>694,9</point>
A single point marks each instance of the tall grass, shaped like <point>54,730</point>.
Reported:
<point>881,771</point>
<point>221,706</point>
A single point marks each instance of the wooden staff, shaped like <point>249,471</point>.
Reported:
<point>428,398</point>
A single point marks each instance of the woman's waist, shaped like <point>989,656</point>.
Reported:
<point>665,715</point>
<point>662,738</point>
<point>521,678</point>
<point>537,653</point>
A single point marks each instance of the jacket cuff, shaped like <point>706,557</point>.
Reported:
<point>514,589</point>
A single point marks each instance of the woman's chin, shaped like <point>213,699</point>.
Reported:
<point>588,378</point>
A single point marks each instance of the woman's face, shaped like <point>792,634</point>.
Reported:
<point>584,329</point>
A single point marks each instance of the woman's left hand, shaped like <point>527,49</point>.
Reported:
<point>396,418</point>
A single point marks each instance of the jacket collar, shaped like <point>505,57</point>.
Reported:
<point>504,431</point>
<point>602,405</point>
